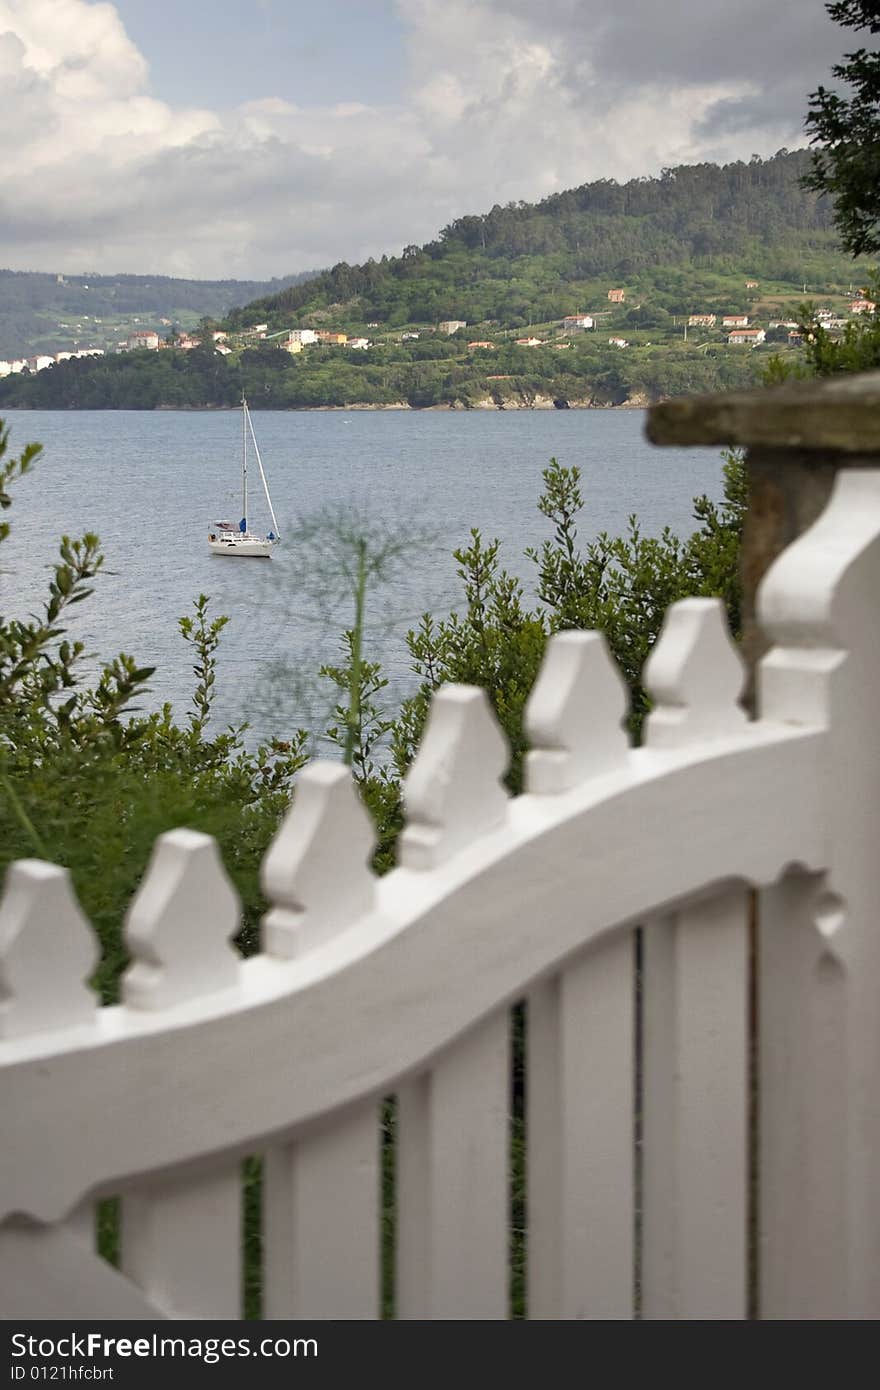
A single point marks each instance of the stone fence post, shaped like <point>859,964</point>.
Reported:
<point>796,436</point>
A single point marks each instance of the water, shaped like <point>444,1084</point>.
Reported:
<point>149,483</point>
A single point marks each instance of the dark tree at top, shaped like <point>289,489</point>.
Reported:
<point>845,127</point>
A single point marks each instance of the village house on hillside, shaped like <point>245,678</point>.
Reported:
<point>751,336</point>
<point>577,321</point>
<point>862,306</point>
<point>143,338</point>
<point>735,321</point>
<point>702,320</point>
<point>450,326</point>
<point>481,344</point>
<point>616,296</point>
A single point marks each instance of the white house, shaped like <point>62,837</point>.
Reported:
<point>40,362</point>
<point>358,343</point>
<point>450,326</point>
<point>302,335</point>
<point>577,321</point>
<point>749,336</point>
<point>618,342</point>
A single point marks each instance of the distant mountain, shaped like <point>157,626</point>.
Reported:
<point>42,312</point>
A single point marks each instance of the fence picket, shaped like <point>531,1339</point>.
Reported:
<point>181,1243</point>
<point>321,1221</point>
<point>802,1032</point>
<point>47,952</point>
<point>694,1131</point>
<point>452,1181</point>
<point>580,1139</point>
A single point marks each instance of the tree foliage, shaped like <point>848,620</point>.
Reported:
<point>845,127</point>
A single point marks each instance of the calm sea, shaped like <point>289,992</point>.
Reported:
<point>149,483</point>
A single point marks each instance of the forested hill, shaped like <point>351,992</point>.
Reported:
<point>42,312</point>
<point>653,265</point>
<point>531,262</point>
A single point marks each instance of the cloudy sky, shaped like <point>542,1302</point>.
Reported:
<point>251,138</point>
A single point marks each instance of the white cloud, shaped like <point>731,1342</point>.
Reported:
<point>504,100</point>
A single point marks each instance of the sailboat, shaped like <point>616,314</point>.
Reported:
<point>224,538</point>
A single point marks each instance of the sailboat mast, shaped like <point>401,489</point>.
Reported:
<point>263,477</point>
<point>244,435</point>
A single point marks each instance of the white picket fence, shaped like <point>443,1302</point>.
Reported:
<point>640,1093</point>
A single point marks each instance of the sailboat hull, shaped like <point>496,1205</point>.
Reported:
<point>245,547</point>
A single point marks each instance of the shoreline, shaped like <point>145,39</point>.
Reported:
<point>481,407</point>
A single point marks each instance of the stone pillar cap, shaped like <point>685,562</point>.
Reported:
<point>839,413</point>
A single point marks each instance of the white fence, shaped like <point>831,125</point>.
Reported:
<point>649,1192</point>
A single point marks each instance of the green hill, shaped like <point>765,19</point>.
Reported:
<point>40,312</point>
<point>686,240</point>
<point>745,238</point>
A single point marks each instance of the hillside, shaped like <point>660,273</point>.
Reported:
<point>52,313</point>
<point>685,240</point>
<point>477,318</point>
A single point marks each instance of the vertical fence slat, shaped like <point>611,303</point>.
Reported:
<point>802,1097</point>
<point>695,1111</point>
<point>452,1181</point>
<point>658,1291</point>
<point>321,1221</point>
<point>181,1243</point>
<point>580,1171</point>
<point>544,1195</point>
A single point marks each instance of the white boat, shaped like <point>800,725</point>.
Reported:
<point>225,538</point>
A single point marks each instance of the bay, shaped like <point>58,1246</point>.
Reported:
<point>150,483</point>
